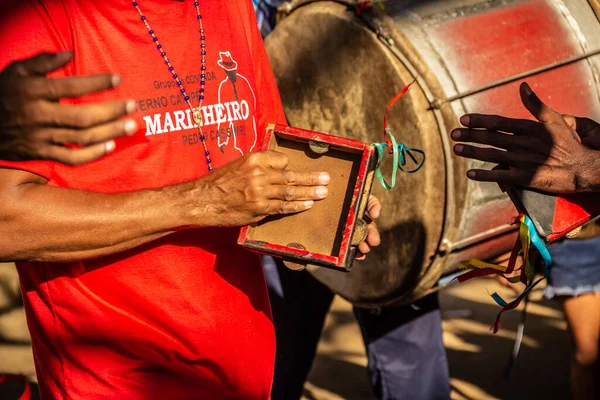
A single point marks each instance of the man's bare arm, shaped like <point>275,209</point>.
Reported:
<point>44,223</point>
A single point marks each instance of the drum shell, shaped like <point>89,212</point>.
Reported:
<point>448,219</point>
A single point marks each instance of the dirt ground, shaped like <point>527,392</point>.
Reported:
<point>477,358</point>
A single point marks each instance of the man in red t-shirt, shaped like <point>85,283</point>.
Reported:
<point>133,284</point>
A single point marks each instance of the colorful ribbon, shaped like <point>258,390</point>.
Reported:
<point>399,152</point>
<point>527,236</point>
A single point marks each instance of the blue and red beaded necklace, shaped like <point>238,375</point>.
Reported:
<point>196,112</point>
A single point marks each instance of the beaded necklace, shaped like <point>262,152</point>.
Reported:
<point>196,112</point>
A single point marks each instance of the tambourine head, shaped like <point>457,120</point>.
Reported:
<point>328,234</point>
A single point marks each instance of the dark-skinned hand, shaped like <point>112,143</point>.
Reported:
<point>34,125</point>
<point>557,153</point>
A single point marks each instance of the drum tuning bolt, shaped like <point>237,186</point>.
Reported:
<point>294,266</point>
<point>318,147</point>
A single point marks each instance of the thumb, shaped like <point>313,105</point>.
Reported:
<point>534,105</point>
<point>41,64</point>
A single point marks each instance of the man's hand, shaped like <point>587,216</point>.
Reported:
<point>373,237</point>
<point>555,154</point>
<point>252,187</point>
<point>33,125</point>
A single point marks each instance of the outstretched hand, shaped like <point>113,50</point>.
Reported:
<point>557,153</point>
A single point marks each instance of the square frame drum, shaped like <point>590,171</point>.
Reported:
<point>328,234</point>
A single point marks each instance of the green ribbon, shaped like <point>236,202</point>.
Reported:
<point>399,153</point>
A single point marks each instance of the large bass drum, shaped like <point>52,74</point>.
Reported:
<point>337,71</point>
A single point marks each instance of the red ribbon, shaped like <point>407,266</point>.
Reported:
<point>387,110</point>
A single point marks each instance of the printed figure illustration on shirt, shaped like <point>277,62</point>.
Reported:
<point>236,90</point>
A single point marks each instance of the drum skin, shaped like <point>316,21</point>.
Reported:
<point>335,75</point>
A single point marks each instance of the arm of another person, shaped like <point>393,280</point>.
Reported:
<point>38,33</point>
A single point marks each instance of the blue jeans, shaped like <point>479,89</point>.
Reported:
<point>575,268</point>
<point>406,355</point>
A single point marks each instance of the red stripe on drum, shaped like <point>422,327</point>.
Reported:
<point>499,43</point>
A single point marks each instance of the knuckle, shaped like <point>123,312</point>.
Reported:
<point>288,207</point>
<point>69,86</point>
<point>262,207</point>
<point>278,160</point>
<point>44,58</point>
<point>255,172</point>
<point>50,136</point>
<point>289,193</point>
<point>290,177</point>
<point>254,191</point>
<point>82,120</point>
<point>38,112</point>
<point>253,159</point>
<point>83,138</point>
<point>284,158</point>
<point>48,86</point>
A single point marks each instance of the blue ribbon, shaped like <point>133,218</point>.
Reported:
<point>543,250</point>
<point>399,153</point>
<point>539,244</point>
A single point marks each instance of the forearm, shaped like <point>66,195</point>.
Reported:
<point>44,223</point>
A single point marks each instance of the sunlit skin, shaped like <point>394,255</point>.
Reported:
<point>60,224</point>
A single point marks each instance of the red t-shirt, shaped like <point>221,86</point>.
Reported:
<point>186,316</point>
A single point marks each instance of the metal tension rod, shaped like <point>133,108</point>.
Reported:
<point>438,103</point>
